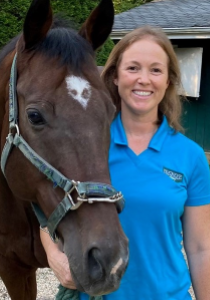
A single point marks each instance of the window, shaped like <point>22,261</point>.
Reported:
<point>190,61</point>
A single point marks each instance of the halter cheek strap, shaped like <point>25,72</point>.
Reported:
<point>89,192</point>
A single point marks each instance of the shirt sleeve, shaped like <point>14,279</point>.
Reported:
<point>199,184</point>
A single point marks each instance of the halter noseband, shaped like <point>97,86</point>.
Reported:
<point>86,191</point>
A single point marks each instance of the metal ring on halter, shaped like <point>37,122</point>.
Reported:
<point>68,194</point>
<point>74,205</point>
<point>17,129</point>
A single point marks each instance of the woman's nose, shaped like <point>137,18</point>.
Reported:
<point>143,77</point>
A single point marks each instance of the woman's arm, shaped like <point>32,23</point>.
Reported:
<point>57,260</point>
<point>196,233</point>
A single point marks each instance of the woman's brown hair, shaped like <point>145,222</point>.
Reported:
<point>170,106</point>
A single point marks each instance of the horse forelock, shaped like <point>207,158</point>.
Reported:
<point>68,47</point>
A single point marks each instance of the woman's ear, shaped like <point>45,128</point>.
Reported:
<point>115,81</point>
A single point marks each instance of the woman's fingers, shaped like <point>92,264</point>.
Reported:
<point>60,266</point>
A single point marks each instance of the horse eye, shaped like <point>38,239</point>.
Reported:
<point>35,118</point>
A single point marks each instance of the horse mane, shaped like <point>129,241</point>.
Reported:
<point>8,48</point>
<point>61,42</point>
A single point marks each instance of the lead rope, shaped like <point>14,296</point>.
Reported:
<point>67,294</point>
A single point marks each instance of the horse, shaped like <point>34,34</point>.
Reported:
<point>55,115</point>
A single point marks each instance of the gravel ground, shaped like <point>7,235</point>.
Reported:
<point>47,286</point>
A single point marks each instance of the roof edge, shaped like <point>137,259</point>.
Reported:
<point>172,33</point>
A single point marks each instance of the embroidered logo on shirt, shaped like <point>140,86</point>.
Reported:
<point>177,177</point>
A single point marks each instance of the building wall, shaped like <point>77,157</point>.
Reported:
<point>196,112</point>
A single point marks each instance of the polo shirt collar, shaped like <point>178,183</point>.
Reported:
<point>160,135</point>
<point>118,131</point>
<point>119,135</point>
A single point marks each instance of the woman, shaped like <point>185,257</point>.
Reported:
<point>163,175</point>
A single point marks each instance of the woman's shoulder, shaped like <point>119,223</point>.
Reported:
<point>187,145</point>
<point>187,141</point>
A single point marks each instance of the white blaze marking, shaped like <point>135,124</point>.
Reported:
<point>79,89</point>
<point>116,267</point>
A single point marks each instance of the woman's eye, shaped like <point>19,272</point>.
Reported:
<point>132,68</point>
<point>35,118</point>
<point>156,70</point>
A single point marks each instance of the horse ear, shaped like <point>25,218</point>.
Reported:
<point>37,22</point>
<point>98,26</point>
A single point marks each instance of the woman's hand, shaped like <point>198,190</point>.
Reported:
<point>57,260</point>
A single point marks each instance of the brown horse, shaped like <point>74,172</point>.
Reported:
<point>60,127</point>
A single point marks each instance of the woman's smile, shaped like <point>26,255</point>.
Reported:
<point>142,94</point>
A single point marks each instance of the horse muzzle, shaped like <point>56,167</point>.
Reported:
<point>104,268</point>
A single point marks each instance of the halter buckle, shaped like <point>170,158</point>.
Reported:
<point>68,194</point>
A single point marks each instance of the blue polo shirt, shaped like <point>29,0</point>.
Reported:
<point>157,184</point>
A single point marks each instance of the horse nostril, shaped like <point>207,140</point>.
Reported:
<point>95,268</point>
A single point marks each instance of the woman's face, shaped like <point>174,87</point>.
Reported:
<point>142,78</point>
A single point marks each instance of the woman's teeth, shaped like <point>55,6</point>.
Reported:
<point>142,93</point>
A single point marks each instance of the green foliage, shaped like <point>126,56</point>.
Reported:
<point>76,10</point>
<point>12,14</point>
<point>104,52</point>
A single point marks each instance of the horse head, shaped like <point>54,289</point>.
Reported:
<point>64,114</point>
